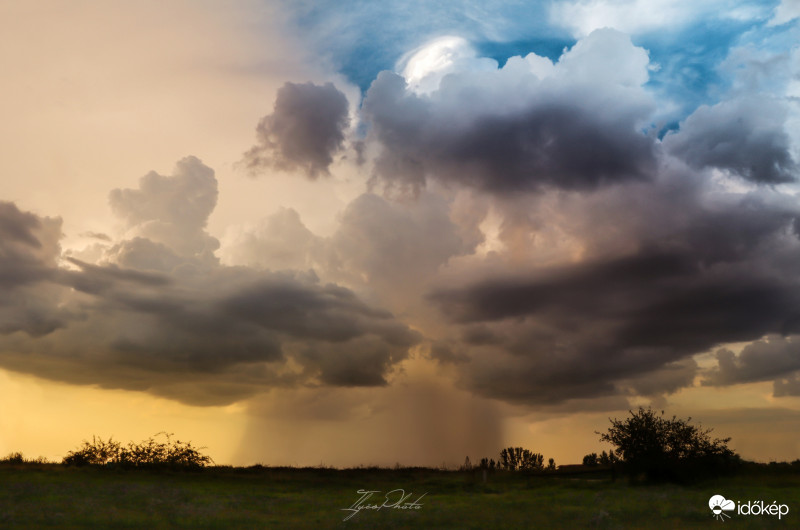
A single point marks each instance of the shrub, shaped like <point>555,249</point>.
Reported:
<point>148,453</point>
<point>13,458</point>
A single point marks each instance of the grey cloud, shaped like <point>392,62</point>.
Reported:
<point>29,296</point>
<point>771,358</point>
<point>162,315</point>
<point>280,241</point>
<point>787,386</point>
<point>628,321</point>
<point>666,380</point>
<point>184,328</point>
<point>28,246</point>
<point>97,235</point>
<point>523,127</point>
<point>444,352</point>
<point>396,245</point>
<point>551,143</point>
<point>361,361</point>
<point>745,136</point>
<point>304,131</point>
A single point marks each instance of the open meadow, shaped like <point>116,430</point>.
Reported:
<point>51,495</point>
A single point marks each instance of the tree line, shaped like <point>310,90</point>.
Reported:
<point>646,445</point>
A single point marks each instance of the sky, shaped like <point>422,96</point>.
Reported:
<point>369,233</point>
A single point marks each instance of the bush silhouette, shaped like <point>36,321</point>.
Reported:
<point>148,453</point>
<point>13,458</point>
<point>18,458</point>
<point>667,449</point>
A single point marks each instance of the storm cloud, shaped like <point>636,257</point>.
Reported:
<point>718,269</point>
<point>745,136</point>
<point>304,131</point>
<point>29,251</point>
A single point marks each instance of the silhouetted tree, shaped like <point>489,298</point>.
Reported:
<point>590,459</point>
<point>607,459</point>
<point>519,459</point>
<point>551,464</point>
<point>672,449</point>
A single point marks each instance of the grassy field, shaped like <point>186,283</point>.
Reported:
<point>42,495</point>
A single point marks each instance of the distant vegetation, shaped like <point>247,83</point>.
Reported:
<point>17,458</point>
<point>647,446</point>
<point>149,453</point>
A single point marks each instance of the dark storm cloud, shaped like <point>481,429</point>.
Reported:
<point>25,257</point>
<point>28,253</point>
<point>550,143</point>
<point>304,131</point>
<point>746,136</point>
<point>726,272</point>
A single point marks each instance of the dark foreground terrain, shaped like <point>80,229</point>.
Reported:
<point>49,495</point>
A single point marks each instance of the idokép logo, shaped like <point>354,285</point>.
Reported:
<point>719,505</point>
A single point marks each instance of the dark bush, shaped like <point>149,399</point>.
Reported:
<point>149,453</point>
<point>13,458</point>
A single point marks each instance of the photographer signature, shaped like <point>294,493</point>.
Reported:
<point>395,499</point>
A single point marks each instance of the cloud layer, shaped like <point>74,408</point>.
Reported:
<point>159,313</point>
<point>551,244</point>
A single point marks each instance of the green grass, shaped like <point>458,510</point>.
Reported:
<point>42,495</point>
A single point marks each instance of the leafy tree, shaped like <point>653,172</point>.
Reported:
<point>551,464</point>
<point>672,449</point>
<point>519,459</point>
<point>590,459</point>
